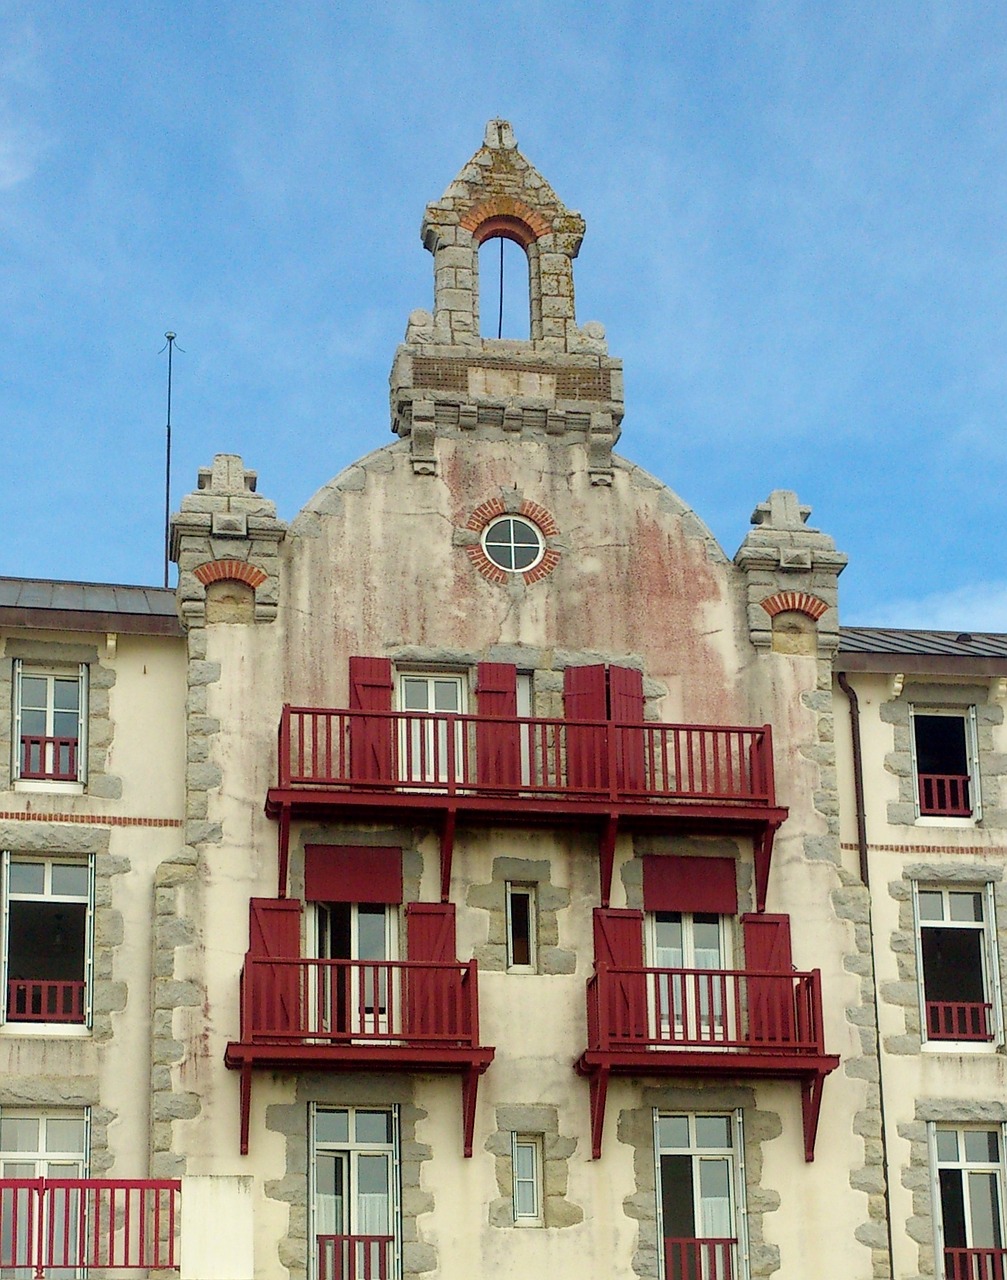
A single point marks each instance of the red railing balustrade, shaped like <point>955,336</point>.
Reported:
<point>711,1259</point>
<point>729,1009</point>
<point>344,1001</point>
<point>72,1223</point>
<point>975,1264</point>
<point>45,1000</point>
<point>47,758</point>
<point>473,755</point>
<point>945,795</point>
<point>959,1020</point>
<point>355,1257</point>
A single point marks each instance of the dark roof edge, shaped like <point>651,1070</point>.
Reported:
<point>937,664</point>
<point>40,619</point>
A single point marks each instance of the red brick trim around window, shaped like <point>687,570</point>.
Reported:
<point>539,516</point>
<point>794,602</point>
<point>231,571</point>
<point>505,216</point>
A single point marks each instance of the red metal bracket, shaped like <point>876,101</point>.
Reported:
<point>283,847</point>
<point>246,1103</point>
<point>447,853</point>
<point>606,856</point>
<point>763,857</point>
<point>599,1093</point>
<point>470,1088</point>
<point>811,1105</point>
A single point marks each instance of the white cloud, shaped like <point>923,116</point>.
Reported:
<point>982,606</point>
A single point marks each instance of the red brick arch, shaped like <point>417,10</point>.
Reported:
<point>231,571</point>
<point>794,602</point>
<point>507,217</point>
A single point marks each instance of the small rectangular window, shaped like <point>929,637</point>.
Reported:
<point>969,1194</point>
<point>46,940</point>
<point>946,764</point>
<point>956,946</point>
<point>521,928</point>
<point>50,718</point>
<point>526,1156</point>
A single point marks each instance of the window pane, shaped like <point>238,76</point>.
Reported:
<point>33,692</point>
<point>19,1133</point>
<point>524,556</point>
<point>931,905</point>
<point>952,964</point>
<point>27,877</point>
<point>713,1131</point>
<point>70,880</point>
<point>330,1203</point>
<point>966,906</point>
<point>414,694</point>
<point>64,1135</point>
<point>32,723</point>
<point>677,1204</point>
<point>520,922</point>
<point>673,1132</point>
<point>65,724</point>
<point>65,695</point>
<point>372,1195</point>
<point>524,1157</point>
<point>447,695</point>
<point>985,1211</point>
<point>371,933</point>
<point>982,1146</point>
<point>332,1126</point>
<point>947,1146</point>
<point>373,1126</point>
<point>524,1199</point>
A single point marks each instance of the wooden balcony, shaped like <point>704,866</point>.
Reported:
<point>68,1225</point>
<point>355,1015</point>
<point>975,1264</point>
<point>705,1022</point>
<point>356,1257</point>
<point>526,770</point>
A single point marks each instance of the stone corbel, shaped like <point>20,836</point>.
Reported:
<point>422,435</point>
<point>895,684</point>
<point>998,689</point>
<point>601,438</point>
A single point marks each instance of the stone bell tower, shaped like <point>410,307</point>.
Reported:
<point>560,384</point>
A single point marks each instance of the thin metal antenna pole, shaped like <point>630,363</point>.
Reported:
<point>500,312</point>
<point>167,463</point>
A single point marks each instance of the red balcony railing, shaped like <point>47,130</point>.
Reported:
<point>42,1000</point>
<point>653,1009</point>
<point>959,1020</point>
<point>355,1257</point>
<point>51,759</point>
<point>699,1259</point>
<point>945,795</point>
<point>975,1264</point>
<point>473,755</point>
<point>356,1001</point>
<point>70,1224</point>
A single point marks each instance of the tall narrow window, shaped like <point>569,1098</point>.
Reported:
<point>359,995</point>
<point>957,963</point>
<point>526,1157</point>
<point>50,715</point>
<point>47,940</point>
<point>688,949</point>
<point>427,752</point>
<point>41,1144</point>
<point>701,1191</point>
<point>355,1193</point>
<point>521,928</point>
<point>970,1191</point>
<point>946,764</point>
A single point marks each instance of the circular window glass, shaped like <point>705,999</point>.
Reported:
<point>513,544</point>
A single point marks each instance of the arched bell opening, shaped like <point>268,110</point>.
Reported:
<point>505,293</point>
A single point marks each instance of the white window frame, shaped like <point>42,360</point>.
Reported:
<point>388,994</point>
<point>512,518</point>
<point>990,962</point>
<point>514,888</point>
<point>741,1262</point>
<point>416,739</point>
<point>22,668</point>
<point>935,1185</point>
<point>968,715</point>
<point>46,1028</point>
<point>663,998</point>
<point>353,1147</point>
<point>531,1144</point>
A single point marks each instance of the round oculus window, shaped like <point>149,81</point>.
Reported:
<point>513,544</point>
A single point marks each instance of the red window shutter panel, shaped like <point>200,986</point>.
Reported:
<point>707,885</point>
<point>771,1009</point>
<point>433,998</point>
<point>498,746</point>
<point>274,927</point>
<point>371,739</point>
<point>585,697</point>
<point>625,692</point>
<point>618,943</point>
<point>272,990</point>
<point>352,873</point>
<point>430,931</point>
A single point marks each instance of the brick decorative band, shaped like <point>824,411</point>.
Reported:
<point>980,850</point>
<point>231,571</point>
<point>794,602</point>
<point>503,214</point>
<point>87,819</point>
<point>573,382</point>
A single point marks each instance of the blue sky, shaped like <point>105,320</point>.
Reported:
<point>797,241</point>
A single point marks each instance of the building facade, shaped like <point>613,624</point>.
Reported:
<point>512,881</point>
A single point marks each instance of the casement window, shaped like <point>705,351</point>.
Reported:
<point>50,725</point>
<point>355,1193</point>
<point>968,1178</point>
<point>526,1161</point>
<point>47,906</point>
<point>522,928</point>
<point>957,964</point>
<point>946,763</point>
<point>40,1144</point>
<point>427,753</point>
<point>689,1003</point>
<point>701,1196</point>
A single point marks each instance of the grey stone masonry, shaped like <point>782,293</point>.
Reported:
<point>560,384</point>
<point>224,530</point>
<point>786,560</point>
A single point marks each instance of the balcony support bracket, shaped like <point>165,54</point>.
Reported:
<point>606,856</point>
<point>811,1105</point>
<point>763,857</point>
<point>283,844</point>
<point>599,1094</point>
<point>246,1102</point>
<point>470,1088</point>
<point>447,851</point>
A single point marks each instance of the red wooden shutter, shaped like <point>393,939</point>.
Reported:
<point>352,873</point>
<point>771,1008</point>
<point>625,692</point>
<point>371,739</point>
<point>271,1001</point>
<point>498,747</point>
<point>707,885</point>
<point>618,943</point>
<point>433,998</point>
<point>585,698</point>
